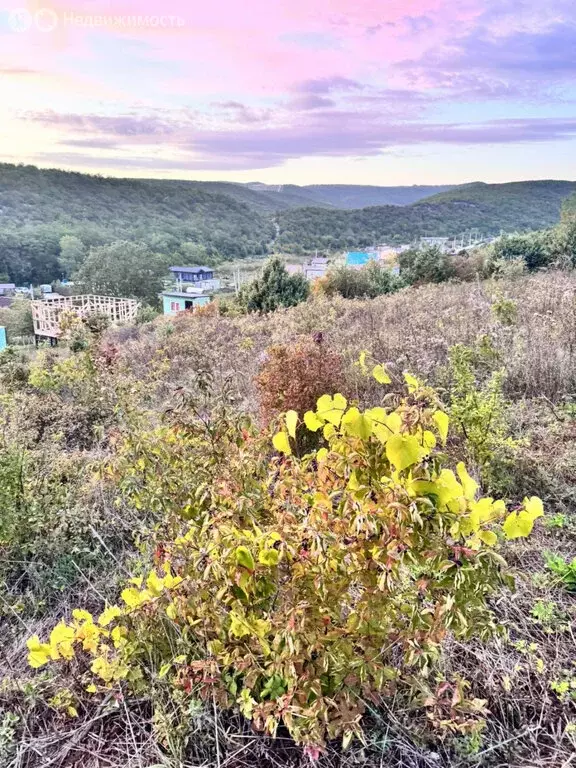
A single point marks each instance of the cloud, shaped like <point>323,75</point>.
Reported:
<point>326,133</point>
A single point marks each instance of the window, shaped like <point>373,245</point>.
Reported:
<point>175,306</point>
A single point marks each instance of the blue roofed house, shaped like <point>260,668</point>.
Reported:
<point>358,259</point>
<point>200,276</point>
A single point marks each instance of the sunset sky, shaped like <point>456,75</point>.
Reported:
<point>298,91</point>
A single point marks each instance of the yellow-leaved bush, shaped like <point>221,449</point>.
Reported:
<point>296,588</point>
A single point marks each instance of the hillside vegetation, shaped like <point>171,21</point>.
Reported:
<point>219,221</point>
<point>489,208</point>
<point>251,539</point>
<point>345,195</point>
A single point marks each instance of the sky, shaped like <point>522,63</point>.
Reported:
<point>382,92</point>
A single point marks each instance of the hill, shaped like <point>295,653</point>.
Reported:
<point>235,221</point>
<point>37,207</point>
<point>345,196</point>
<point>489,208</point>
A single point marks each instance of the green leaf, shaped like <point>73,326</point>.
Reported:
<point>357,424</point>
<point>291,423</point>
<point>313,423</point>
<point>244,558</point>
<point>403,450</point>
<point>380,374</point>
<point>281,442</point>
<point>269,557</point>
<point>442,421</point>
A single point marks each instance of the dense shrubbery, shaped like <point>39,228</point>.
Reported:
<point>297,588</point>
<point>372,280</point>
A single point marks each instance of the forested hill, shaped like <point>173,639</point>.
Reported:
<point>489,208</point>
<point>216,221</point>
<point>38,207</point>
<point>344,196</point>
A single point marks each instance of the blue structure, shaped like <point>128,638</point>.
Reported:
<point>192,274</point>
<point>178,301</point>
<point>2,338</point>
<point>360,258</point>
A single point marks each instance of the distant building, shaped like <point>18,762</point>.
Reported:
<point>2,338</point>
<point>359,259</point>
<point>7,289</point>
<point>175,301</point>
<point>201,276</point>
<point>315,268</point>
<point>435,242</point>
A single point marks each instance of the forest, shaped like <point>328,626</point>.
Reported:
<point>213,222</point>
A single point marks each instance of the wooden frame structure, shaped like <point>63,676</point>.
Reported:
<point>46,312</point>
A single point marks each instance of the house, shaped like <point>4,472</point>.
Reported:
<point>315,268</point>
<point>7,289</point>
<point>201,276</point>
<point>359,259</point>
<point>174,301</point>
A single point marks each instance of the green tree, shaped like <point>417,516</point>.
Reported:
<point>535,248</point>
<point>273,289</point>
<point>124,269</point>
<point>426,265</point>
<point>72,253</point>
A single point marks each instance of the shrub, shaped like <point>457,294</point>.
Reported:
<point>426,265</point>
<point>478,411</point>
<point>298,588</point>
<point>295,375</point>
<point>273,289</point>
<point>372,280</point>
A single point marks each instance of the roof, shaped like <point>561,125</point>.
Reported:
<point>356,258</point>
<point>183,295</point>
<point>192,269</point>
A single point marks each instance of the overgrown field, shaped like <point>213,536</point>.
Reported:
<point>190,578</point>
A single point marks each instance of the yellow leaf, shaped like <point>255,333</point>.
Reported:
<point>534,507</point>
<point>39,653</point>
<point>91,688</point>
<point>72,711</point>
<point>402,451</point>
<point>469,485</point>
<point>108,615</point>
<point>133,597</point>
<point>282,443</point>
<point>154,584</point>
<point>442,421</point>
<point>312,422</point>
<point>269,557</point>
<point>291,423</point>
<point>518,525</point>
<point>357,424</point>
<point>412,382</point>
<point>488,537</point>
<point>322,454</point>
<point>380,374</point>
<point>81,615</point>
